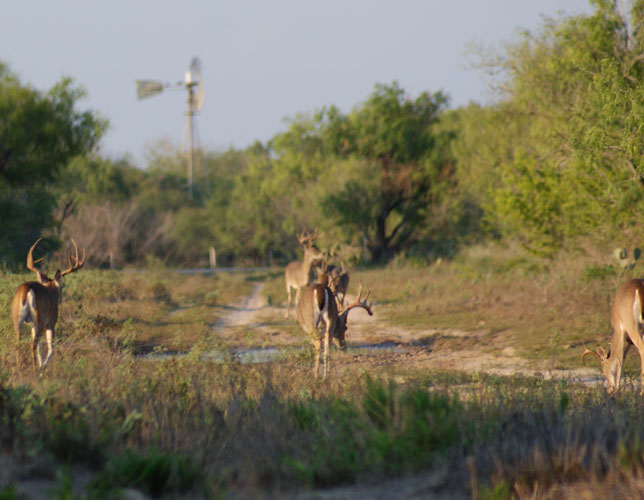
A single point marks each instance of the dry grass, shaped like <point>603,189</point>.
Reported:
<point>541,310</point>
<point>271,430</point>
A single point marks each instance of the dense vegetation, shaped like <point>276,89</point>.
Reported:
<point>558,156</point>
<point>104,417</point>
<point>550,177</point>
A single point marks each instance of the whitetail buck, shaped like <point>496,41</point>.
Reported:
<point>37,302</point>
<point>297,273</point>
<point>627,323</point>
<point>317,307</point>
<point>339,282</point>
<point>336,278</point>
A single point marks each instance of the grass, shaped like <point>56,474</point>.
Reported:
<point>195,428</point>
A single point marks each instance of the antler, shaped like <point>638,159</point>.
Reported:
<point>588,351</point>
<point>305,238</point>
<point>30,258</point>
<point>77,264</point>
<point>358,303</point>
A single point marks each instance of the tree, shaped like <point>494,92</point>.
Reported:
<point>39,134</point>
<point>570,159</point>
<point>402,166</point>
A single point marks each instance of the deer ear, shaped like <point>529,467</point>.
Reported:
<point>602,353</point>
<point>58,275</point>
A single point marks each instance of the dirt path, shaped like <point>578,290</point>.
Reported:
<point>374,342</point>
<point>246,313</point>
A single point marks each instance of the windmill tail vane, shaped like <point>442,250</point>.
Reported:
<point>148,88</point>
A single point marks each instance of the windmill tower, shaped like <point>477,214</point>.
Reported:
<point>193,83</point>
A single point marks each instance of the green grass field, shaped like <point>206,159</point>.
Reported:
<point>104,417</point>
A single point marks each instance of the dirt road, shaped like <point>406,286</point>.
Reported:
<point>373,341</point>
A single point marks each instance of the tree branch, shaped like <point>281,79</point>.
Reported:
<point>630,164</point>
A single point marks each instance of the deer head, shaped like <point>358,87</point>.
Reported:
<point>343,316</point>
<point>610,369</point>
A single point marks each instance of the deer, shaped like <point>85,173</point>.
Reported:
<point>628,326</point>
<point>337,279</point>
<point>37,302</point>
<point>339,282</point>
<point>317,307</point>
<point>296,274</point>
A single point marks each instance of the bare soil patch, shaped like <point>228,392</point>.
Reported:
<point>374,342</point>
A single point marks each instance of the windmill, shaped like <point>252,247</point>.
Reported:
<point>193,83</point>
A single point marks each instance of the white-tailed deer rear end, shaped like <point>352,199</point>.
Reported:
<point>628,323</point>
<point>37,302</point>
<point>317,307</point>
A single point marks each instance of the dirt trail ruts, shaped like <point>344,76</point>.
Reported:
<point>429,348</point>
<point>246,313</point>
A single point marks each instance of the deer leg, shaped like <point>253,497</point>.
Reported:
<point>327,334</point>
<point>288,300</point>
<point>18,348</point>
<point>640,349</point>
<point>317,344</point>
<point>38,354</point>
<point>49,336</point>
<point>35,347</point>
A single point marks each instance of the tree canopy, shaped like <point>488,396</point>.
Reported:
<point>39,134</point>
<point>557,157</point>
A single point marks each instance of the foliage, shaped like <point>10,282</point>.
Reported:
<point>564,157</point>
<point>402,165</point>
<point>39,134</point>
<point>155,473</point>
<point>556,157</point>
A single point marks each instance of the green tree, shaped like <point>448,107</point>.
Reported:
<point>39,134</point>
<point>403,166</point>
<point>569,156</point>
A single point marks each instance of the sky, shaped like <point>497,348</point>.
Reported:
<point>263,61</point>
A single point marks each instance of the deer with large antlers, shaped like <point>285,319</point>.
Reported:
<point>297,273</point>
<point>37,302</point>
<point>317,307</point>
<point>339,282</point>
<point>628,326</point>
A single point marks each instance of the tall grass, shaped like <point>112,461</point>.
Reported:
<point>192,427</point>
<point>186,429</point>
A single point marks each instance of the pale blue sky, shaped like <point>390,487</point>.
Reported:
<point>263,60</point>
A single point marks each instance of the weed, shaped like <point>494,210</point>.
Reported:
<point>163,426</point>
<point>154,473</point>
<point>600,272</point>
<point>160,293</point>
<point>9,493</point>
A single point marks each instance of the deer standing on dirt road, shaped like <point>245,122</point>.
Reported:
<point>339,283</point>
<point>336,278</point>
<point>318,306</point>
<point>628,326</point>
<point>37,302</point>
<point>297,273</point>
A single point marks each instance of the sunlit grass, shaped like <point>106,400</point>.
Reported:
<point>223,427</point>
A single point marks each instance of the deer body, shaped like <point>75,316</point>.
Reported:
<point>37,302</point>
<point>317,307</point>
<point>628,326</point>
<point>297,273</point>
<point>339,282</point>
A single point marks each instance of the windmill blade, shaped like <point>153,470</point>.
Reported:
<point>195,77</point>
<point>200,95</point>
<point>148,88</point>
